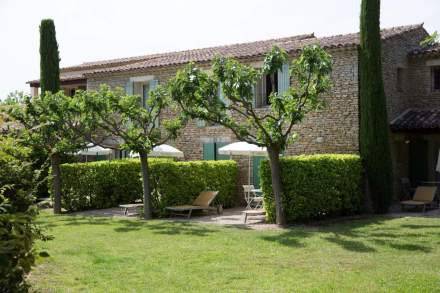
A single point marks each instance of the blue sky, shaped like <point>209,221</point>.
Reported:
<point>89,30</point>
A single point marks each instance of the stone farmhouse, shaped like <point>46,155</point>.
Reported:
<point>412,84</point>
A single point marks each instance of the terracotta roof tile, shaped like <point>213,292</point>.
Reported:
<point>427,51</point>
<point>416,119</point>
<point>259,48</point>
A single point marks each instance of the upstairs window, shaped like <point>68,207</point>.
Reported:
<point>436,78</point>
<point>264,87</point>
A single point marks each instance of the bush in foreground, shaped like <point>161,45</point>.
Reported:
<point>316,186</point>
<point>18,231</point>
<point>107,184</point>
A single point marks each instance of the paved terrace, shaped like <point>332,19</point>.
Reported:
<point>234,217</point>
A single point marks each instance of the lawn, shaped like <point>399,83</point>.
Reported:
<point>116,255</point>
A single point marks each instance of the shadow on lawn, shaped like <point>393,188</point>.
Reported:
<point>69,220</point>
<point>353,237</point>
<point>166,227</point>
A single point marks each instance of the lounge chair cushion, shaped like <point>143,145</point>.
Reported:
<point>425,193</point>
<point>205,198</point>
<point>184,208</point>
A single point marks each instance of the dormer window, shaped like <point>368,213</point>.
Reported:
<point>435,78</point>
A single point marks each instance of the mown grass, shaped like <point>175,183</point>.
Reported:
<point>115,255</point>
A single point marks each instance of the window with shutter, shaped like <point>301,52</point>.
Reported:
<point>283,78</point>
<point>129,88</point>
<point>219,156</point>
<point>208,151</point>
<point>221,95</point>
<point>200,123</point>
<point>264,87</point>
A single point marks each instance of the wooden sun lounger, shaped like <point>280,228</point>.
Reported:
<point>202,202</point>
<point>423,197</point>
<point>126,207</point>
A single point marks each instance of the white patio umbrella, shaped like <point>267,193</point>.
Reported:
<point>162,150</point>
<point>242,148</point>
<point>94,150</point>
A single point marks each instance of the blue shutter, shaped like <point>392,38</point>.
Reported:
<point>153,86</point>
<point>129,87</point>
<point>221,95</point>
<point>283,78</point>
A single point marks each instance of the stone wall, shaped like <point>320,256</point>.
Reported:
<point>395,56</point>
<point>334,129</point>
<point>400,94</point>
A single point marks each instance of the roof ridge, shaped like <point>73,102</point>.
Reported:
<point>382,30</point>
<point>140,58</point>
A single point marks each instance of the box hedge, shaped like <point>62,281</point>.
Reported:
<point>316,186</point>
<point>105,184</point>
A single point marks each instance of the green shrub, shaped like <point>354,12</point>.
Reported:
<point>16,173</point>
<point>106,184</point>
<point>17,236</point>
<point>18,231</point>
<point>315,186</point>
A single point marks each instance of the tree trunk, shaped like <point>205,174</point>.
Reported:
<point>146,184</point>
<point>56,182</point>
<point>274,160</point>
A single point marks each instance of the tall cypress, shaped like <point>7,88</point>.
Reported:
<point>49,58</point>
<point>374,140</point>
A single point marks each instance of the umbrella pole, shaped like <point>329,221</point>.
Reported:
<point>249,169</point>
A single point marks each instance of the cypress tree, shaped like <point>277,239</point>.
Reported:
<point>374,141</point>
<point>49,58</point>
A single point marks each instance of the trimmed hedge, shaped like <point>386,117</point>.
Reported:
<point>316,186</point>
<point>105,184</point>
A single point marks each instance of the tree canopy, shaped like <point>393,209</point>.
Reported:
<point>226,97</point>
<point>123,117</point>
<point>57,123</point>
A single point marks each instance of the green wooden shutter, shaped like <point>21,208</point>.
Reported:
<point>256,170</point>
<point>144,96</point>
<point>129,87</point>
<point>217,155</point>
<point>209,151</point>
<point>153,86</point>
<point>283,78</point>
